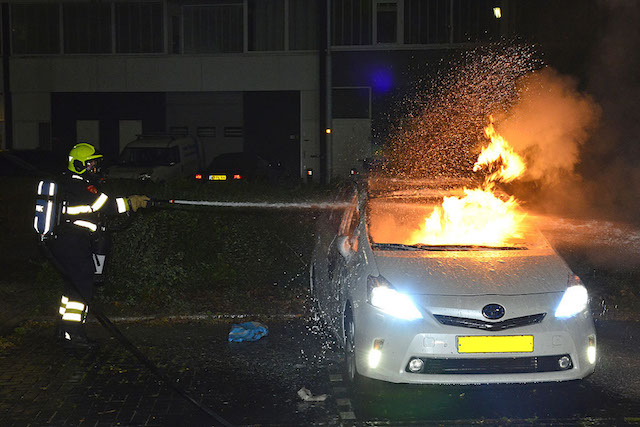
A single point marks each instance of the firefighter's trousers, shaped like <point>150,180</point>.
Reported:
<point>73,253</point>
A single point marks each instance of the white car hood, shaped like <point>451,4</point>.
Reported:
<point>514,272</point>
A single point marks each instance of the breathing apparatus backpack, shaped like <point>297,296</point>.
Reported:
<point>47,218</point>
<point>48,209</point>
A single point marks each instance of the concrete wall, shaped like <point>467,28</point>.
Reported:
<point>309,132</point>
<point>165,73</point>
<point>29,109</point>
<point>35,78</point>
<point>351,144</point>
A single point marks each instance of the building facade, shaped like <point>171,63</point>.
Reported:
<point>299,82</point>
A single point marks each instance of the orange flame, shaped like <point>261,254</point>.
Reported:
<point>511,165</point>
<point>479,217</point>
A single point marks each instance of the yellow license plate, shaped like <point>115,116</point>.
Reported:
<point>494,344</point>
<point>217,177</point>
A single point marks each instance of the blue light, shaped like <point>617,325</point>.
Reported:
<point>382,80</point>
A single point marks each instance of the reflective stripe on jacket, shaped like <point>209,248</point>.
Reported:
<point>83,204</point>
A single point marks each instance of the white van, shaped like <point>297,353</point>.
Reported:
<point>158,158</point>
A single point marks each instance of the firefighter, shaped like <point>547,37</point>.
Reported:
<point>81,228</point>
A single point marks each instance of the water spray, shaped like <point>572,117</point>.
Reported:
<point>256,205</point>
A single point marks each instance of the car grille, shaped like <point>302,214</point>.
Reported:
<point>511,365</point>
<point>490,326</point>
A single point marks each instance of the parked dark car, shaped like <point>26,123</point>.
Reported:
<point>30,163</point>
<point>240,167</point>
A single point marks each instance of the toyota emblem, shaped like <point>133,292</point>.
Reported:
<point>493,311</point>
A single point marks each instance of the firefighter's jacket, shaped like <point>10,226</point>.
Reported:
<point>83,204</point>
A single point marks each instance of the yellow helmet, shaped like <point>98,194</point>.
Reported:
<point>79,155</point>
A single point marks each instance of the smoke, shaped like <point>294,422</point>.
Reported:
<point>540,112</point>
<point>548,125</point>
<point>610,159</point>
<point>582,150</point>
<point>441,124</point>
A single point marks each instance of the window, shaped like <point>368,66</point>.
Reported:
<point>206,131</point>
<point>179,130</point>
<point>139,27</point>
<point>233,132</point>
<point>350,103</point>
<point>474,21</point>
<point>35,28</point>
<point>87,27</point>
<point>266,25</point>
<point>146,157</point>
<point>303,25</point>
<point>175,34</point>
<point>213,28</point>
<point>351,22</point>
<point>426,21</point>
<point>386,22</point>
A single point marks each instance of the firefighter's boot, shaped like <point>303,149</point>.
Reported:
<point>70,329</point>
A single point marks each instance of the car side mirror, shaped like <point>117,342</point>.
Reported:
<point>344,247</point>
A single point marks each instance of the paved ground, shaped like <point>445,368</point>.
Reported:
<point>257,383</point>
<point>246,383</point>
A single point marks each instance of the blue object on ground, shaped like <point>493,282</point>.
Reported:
<point>248,331</point>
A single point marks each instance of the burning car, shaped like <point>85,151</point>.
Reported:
<point>450,313</point>
<point>446,281</point>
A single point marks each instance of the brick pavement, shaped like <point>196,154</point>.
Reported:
<point>16,304</point>
<point>247,383</point>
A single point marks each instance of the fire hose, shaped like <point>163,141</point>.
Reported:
<point>129,346</point>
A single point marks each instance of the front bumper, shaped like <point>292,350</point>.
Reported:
<point>436,344</point>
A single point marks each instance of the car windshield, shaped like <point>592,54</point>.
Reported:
<point>420,220</point>
<point>149,156</point>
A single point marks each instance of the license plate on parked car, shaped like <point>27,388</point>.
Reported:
<point>496,344</point>
<point>217,177</point>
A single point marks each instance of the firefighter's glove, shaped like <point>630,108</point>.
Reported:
<point>136,202</point>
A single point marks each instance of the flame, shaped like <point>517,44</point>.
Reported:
<point>477,218</point>
<point>511,165</point>
<point>480,217</point>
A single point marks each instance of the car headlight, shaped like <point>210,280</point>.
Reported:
<point>383,296</point>
<point>574,300</point>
